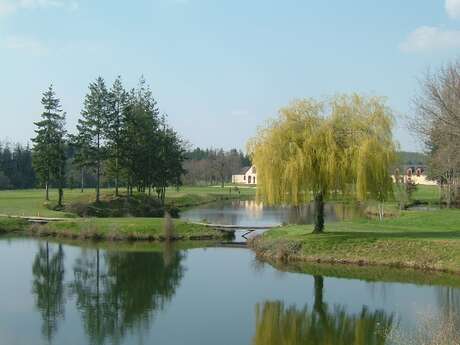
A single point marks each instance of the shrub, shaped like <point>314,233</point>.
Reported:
<point>168,227</point>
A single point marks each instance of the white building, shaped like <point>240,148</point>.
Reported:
<point>415,174</point>
<point>247,175</point>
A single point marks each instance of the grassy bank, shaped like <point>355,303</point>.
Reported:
<point>112,229</point>
<point>427,240</point>
<point>31,202</point>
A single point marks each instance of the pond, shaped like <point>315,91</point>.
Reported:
<point>250,213</point>
<point>66,293</point>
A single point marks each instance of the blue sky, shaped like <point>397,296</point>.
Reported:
<point>220,69</point>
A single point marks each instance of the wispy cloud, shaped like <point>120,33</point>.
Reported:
<point>24,43</point>
<point>453,8</point>
<point>429,38</point>
<point>11,6</point>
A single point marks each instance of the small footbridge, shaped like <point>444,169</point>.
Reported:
<point>247,229</point>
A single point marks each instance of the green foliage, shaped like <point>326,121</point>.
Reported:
<point>16,170</point>
<point>137,205</point>
<point>91,129</point>
<point>49,143</point>
<point>412,158</point>
<point>315,148</point>
<point>123,134</point>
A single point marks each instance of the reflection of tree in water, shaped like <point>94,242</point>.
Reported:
<point>276,324</point>
<point>48,287</point>
<point>449,303</point>
<point>448,300</point>
<point>120,291</point>
<point>304,214</point>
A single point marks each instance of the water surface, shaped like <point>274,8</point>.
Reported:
<point>251,213</point>
<point>56,293</point>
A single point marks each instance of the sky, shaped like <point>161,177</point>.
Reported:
<point>220,69</point>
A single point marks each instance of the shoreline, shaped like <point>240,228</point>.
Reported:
<point>293,259</point>
<point>111,230</point>
<point>425,241</point>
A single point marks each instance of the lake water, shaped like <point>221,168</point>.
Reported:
<point>250,213</point>
<point>56,293</point>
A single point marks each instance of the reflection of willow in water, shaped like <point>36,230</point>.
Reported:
<point>448,300</point>
<point>48,287</point>
<point>122,292</point>
<point>277,324</point>
<point>305,214</point>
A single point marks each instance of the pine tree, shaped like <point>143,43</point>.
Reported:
<point>118,99</point>
<point>91,135</point>
<point>48,151</point>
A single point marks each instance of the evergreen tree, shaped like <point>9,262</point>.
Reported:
<point>49,156</point>
<point>91,136</point>
<point>118,99</point>
<point>170,160</point>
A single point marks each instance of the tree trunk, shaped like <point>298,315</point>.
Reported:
<point>61,187</point>
<point>98,181</point>
<point>98,172</point>
<point>47,194</point>
<point>116,174</point>
<point>82,185</point>
<point>319,213</point>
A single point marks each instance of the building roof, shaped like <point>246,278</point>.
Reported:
<point>244,170</point>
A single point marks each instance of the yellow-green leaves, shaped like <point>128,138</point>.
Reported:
<point>343,145</point>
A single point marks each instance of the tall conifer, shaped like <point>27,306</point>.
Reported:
<point>91,137</point>
<point>49,151</point>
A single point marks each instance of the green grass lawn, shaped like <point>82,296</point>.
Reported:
<point>151,229</point>
<point>31,202</point>
<point>427,194</point>
<point>420,239</point>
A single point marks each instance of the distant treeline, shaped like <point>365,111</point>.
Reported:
<point>412,158</point>
<point>16,171</point>
<point>212,166</point>
<point>201,167</point>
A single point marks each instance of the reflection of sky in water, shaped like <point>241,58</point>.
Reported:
<point>250,213</point>
<point>213,302</point>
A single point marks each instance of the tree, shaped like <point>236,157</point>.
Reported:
<point>437,123</point>
<point>49,155</point>
<point>315,148</point>
<point>91,129</point>
<point>170,160</point>
<point>16,170</point>
<point>117,99</point>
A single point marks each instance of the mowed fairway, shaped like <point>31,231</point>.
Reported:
<point>420,239</point>
<point>31,202</point>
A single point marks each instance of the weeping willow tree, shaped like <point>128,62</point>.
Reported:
<point>315,148</point>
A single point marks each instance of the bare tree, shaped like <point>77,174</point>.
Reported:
<point>437,123</point>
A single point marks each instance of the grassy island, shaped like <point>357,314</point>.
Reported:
<point>427,240</point>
